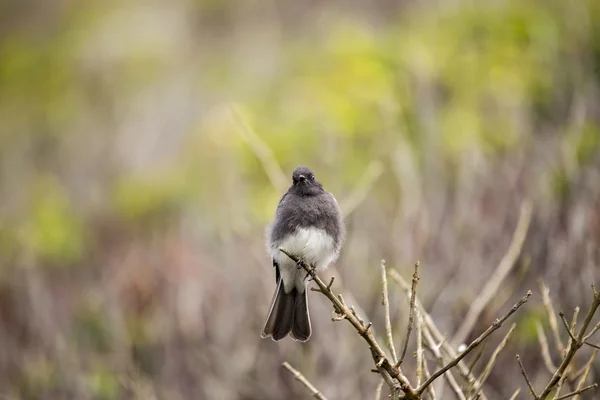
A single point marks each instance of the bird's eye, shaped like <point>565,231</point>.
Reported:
<point>312,177</point>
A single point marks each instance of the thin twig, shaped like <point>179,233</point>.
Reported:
<point>489,290</point>
<point>559,386</point>
<point>497,324</point>
<point>586,371</point>
<point>574,345</point>
<point>411,314</point>
<point>478,355</point>
<point>529,385</point>
<point>435,350</point>
<point>420,355</point>
<point>566,324</point>
<point>377,352</point>
<point>577,392</point>
<point>551,316</point>
<point>595,346</point>
<point>490,364</point>
<point>427,374</point>
<point>594,330</point>
<point>433,331</point>
<point>544,346</point>
<point>379,389</point>
<point>302,379</point>
<point>385,300</point>
<point>515,394</point>
<point>362,188</point>
<point>261,151</point>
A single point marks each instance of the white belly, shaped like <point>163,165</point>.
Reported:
<point>315,246</point>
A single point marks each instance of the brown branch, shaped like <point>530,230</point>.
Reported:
<point>362,188</point>
<point>420,355</point>
<point>595,346</point>
<point>594,330</point>
<point>433,331</point>
<point>551,316</point>
<point>478,356</point>
<point>427,374</point>
<point>490,364</point>
<point>577,392</point>
<point>489,290</point>
<point>529,385</point>
<point>385,300</point>
<point>497,324</point>
<point>435,350</point>
<point>379,389</point>
<point>411,314</point>
<point>586,371</point>
<point>302,379</point>
<point>566,324</point>
<point>545,348</point>
<point>575,344</point>
<point>261,150</point>
<point>365,332</point>
<point>515,394</point>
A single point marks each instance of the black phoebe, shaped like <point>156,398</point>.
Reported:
<point>308,223</point>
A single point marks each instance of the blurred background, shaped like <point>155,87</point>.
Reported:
<point>144,146</point>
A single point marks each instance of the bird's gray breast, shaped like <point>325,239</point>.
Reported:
<point>320,212</point>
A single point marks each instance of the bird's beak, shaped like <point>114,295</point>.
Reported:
<point>302,178</point>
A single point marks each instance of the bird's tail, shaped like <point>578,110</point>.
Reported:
<point>288,313</point>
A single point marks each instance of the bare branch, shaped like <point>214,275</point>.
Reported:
<point>577,392</point>
<point>411,314</point>
<point>478,355</point>
<point>500,273</point>
<point>595,346</point>
<point>586,371</point>
<point>261,151</point>
<point>515,394</point>
<point>302,379</point>
<point>436,335</point>
<point>330,283</point>
<point>379,389</point>
<point>529,385</point>
<point>377,352</point>
<point>497,324</point>
<point>385,300</point>
<point>427,374</point>
<point>420,355</point>
<point>544,346</point>
<point>566,324</point>
<point>594,330</point>
<point>574,344</point>
<point>435,350</point>
<point>361,189</point>
<point>551,316</point>
<point>490,364</point>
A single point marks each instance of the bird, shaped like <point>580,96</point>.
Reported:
<point>309,224</point>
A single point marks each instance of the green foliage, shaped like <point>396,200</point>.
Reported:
<point>91,329</point>
<point>39,375</point>
<point>587,144</point>
<point>104,384</point>
<point>526,325</point>
<point>149,200</point>
<point>53,232</point>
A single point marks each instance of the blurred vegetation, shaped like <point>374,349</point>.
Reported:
<point>131,196</point>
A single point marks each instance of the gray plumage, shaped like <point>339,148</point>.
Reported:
<point>308,223</point>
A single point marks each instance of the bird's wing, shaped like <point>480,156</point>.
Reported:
<point>282,200</point>
<point>277,273</point>
<point>333,197</point>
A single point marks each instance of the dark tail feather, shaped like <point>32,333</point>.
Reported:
<point>281,315</point>
<point>301,329</point>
